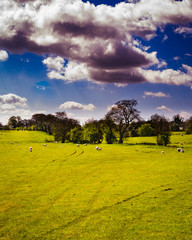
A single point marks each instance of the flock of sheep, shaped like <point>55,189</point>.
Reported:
<point>97,148</point>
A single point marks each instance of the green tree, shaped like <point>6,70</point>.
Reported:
<point>122,114</point>
<point>188,129</point>
<point>145,130</point>
<point>62,126</point>
<point>92,131</point>
<point>14,122</point>
<point>161,129</point>
<point>76,134</point>
<point>109,128</point>
<point>177,123</point>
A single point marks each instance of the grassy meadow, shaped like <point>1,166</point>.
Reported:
<point>127,191</point>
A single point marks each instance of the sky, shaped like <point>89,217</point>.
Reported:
<point>82,57</point>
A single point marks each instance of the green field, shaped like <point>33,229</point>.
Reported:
<point>61,191</point>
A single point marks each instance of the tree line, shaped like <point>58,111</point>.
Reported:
<point>121,121</point>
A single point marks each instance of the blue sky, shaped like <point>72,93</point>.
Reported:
<point>81,57</point>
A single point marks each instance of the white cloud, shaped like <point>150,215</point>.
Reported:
<point>176,58</point>
<point>185,115</point>
<point>184,30</point>
<point>188,54</point>
<point>76,105</point>
<point>169,76</point>
<point>56,63</point>
<point>13,99</point>
<point>165,38</point>
<point>155,94</point>
<point>3,55</point>
<point>110,107</point>
<point>72,71</point>
<point>164,108</point>
<point>99,41</point>
<point>121,84</point>
<point>13,105</point>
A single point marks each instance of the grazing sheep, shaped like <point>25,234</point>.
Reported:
<point>162,152</point>
<point>98,149</point>
<point>77,145</point>
<point>180,150</point>
<point>11,142</point>
<point>30,149</point>
<point>85,144</point>
<point>44,145</point>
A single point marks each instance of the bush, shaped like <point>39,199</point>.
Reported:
<point>189,129</point>
<point>146,130</point>
<point>163,139</point>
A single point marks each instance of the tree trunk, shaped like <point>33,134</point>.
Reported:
<point>121,138</point>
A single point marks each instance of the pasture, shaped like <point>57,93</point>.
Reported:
<point>61,191</point>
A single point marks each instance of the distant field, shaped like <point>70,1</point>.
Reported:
<point>61,191</point>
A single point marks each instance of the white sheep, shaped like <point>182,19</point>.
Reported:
<point>85,144</point>
<point>44,145</point>
<point>98,149</point>
<point>162,152</point>
<point>77,145</point>
<point>180,150</point>
<point>30,149</point>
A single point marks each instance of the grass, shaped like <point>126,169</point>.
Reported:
<point>121,192</point>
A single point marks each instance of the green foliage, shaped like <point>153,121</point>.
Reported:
<point>146,130</point>
<point>163,139</point>
<point>189,129</point>
<point>133,132</point>
<point>92,132</point>
<point>161,129</point>
<point>76,135</point>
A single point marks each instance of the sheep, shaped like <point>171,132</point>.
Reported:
<point>11,142</point>
<point>98,149</point>
<point>85,144</point>
<point>162,152</point>
<point>44,145</point>
<point>180,150</point>
<point>77,145</point>
<point>30,149</point>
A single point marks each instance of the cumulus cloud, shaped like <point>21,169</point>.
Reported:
<point>72,71</point>
<point>77,106</point>
<point>96,41</point>
<point>3,55</point>
<point>169,76</point>
<point>164,108</point>
<point>155,94</point>
<point>185,114</point>
<point>12,104</point>
<point>13,99</point>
